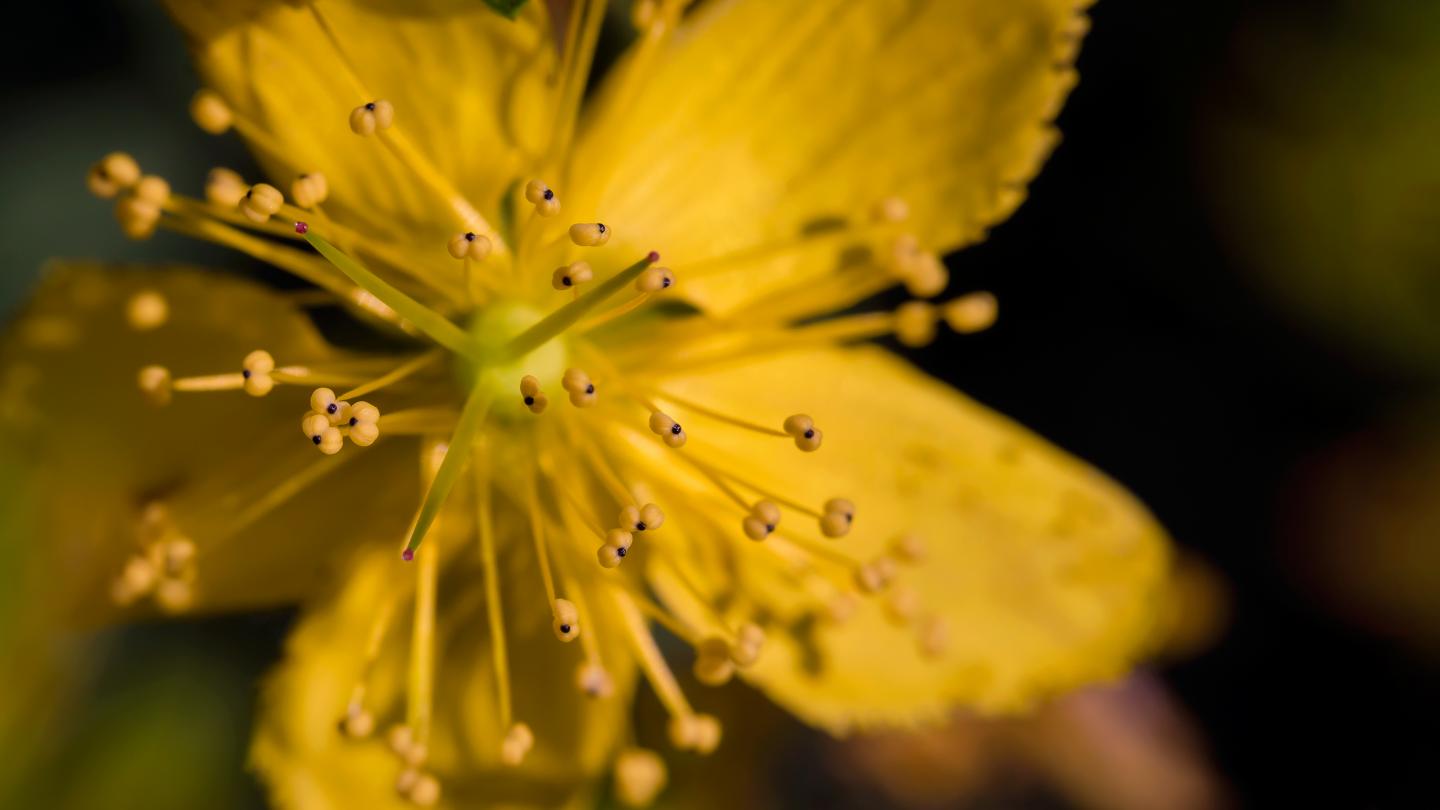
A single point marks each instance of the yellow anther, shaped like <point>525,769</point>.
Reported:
<point>357,723</point>
<point>934,636</point>
<point>400,738</point>
<point>571,275</point>
<point>841,607</point>
<point>594,680</point>
<point>619,539</point>
<point>364,424</point>
<point>589,234</point>
<point>640,774</point>
<point>256,370</point>
<point>174,595</point>
<point>909,548</point>
<point>518,742</point>
<point>529,385</point>
<point>581,389</point>
<point>641,519</point>
<point>155,385</point>
<point>702,734</point>
<point>643,13</point>
<point>836,517</point>
<point>176,556</point>
<point>136,579</point>
<point>210,112</point>
<point>902,604</point>
<point>425,791</point>
<point>566,623</point>
<point>368,119</point>
<point>609,556</point>
<point>875,576</point>
<point>225,187</point>
<point>543,197</point>
<point>667,429</point>
<point>749,640</point>
<point>310,189</point>
<point>147,310</point>
<point>915,323</point>
<point>112,174</point>
<point>971,313</point>
<point>138,218</point>
<point>927,277</point>
<point>763,518</point>
<point>655,279</point>
<point>470,245</point>
<point>890,209</point>
<point>260,202</point>
<point>405,782</point>
<point>802,428</point>
<point>713,666</point>
<point>321,433</point>
<point>531,396</point>
<point>152,189</point>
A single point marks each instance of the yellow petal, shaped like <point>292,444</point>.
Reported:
<point>98,453</point>
<point>1047,573</point>
<point>306,761</point>
<point>760,118</point>
<point>464,82</point>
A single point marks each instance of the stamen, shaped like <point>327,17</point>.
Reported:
<point>147,310</point>
<point>543,198</point>
<point>210,112</point>
<point>915,323</point>
<point>582,36</point>
<point>309,190</point>
<point>667,429</point>
<point>971,313</point>
<point>764,517</point>
<point>655,279</point>
<point>469,245</point>
<point>640,774</point>
<point>531,395</point>
<point>392,377</point>
<point>713,666</point>
<point>589,234</point>
<point>839,513</point>
<point>647,518</point>
<point>224,188</point>
<point>909,548</point>
<point>566,620</point>
<point>688,730</point>
<point>372,117</point>
<point>155,384</point>
<point>359,723</point>
<point>580,387</point>
<point>537,533</point>
<point>261,201</point>
<point>112,174</point>
<point>571,276</point>
<point>518,738</point>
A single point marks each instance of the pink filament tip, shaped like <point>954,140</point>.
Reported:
<point>302,227</point>
<point>653,257</point>
<point>408,554</point>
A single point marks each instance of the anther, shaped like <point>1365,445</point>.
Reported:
<point>643,13</point>
<point>641,519</point>
<point>667,429</point>
<point>581,389</point>
<point>155,385</point>
<point>357,723</point>
<point>836,517</point>
<point>748,642</point>
<point>518,742</point>
<point>934,636</point>
<point>544,199</point>
<point>470,245</point>
<point>364,424</point>
<point>890,209</point>
<point>424,791</point>
<point>695,732</point>
<point>260,202</point>
<point>875,576</point>
<point>915,323</point>
<point>321,433</point>
<point>802,428</point>
<point>152,189</point>
<point>927,277</point>
<point>908,548</point>
<point>531,395</point>
<point>713,666</point>
<point>309,190</point>
<point>368,119</point>
<point>763,518</point>
<point>112,174</point>
<point>640,775</point>
<point>609,556</point>
<point>971,313</point>
<point>136,579</point>
<point>571,276</point>
<point>210,112</point>
<point>147,310</point>
<point>566,622</point>
<point>655,279</point>
<point>589,234</point>
<point>138,217</point>
<point>256,370</point>
<point>224,187</point>
<point>902,605</point>
<point>594,680</point>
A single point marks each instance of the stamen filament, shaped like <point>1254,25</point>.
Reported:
<point>712,470</point>
<point>493,610</point>
<point>579,53</point>
<point>657,672</point>
<point>432,323</point>
<point>400,373</point>
<point>537,533</point>
<point>691,405</point>
<point>606,317</point>
<point>657,613</point>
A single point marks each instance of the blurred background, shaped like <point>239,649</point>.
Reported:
<point>1224,291</point>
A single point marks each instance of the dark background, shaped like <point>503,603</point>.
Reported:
<point>1128,335</point>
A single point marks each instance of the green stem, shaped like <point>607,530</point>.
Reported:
<point>462,445</point>
<point>563,318</point>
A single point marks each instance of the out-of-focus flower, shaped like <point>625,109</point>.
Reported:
<point>788,162</point>
<point>1324,171</point>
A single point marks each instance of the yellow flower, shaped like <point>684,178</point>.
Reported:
<point>571,442</point>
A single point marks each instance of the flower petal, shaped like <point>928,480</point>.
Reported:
<point>759,119</point>
<point>309,764</point>
<point>98,453</point>
<point>1047,573</point>
<point>466,84</point>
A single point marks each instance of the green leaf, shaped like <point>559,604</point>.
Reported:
<point>508,8</point>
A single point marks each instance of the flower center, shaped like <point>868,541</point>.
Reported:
<point>493,326</point>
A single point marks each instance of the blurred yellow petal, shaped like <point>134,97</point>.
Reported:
<point>759,119</point>
<point>99,454</point>
<point>465,83</point>
<point>1047,574</point>
<point>308,763</point>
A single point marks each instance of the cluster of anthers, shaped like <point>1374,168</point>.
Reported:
<point>482,277</point>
